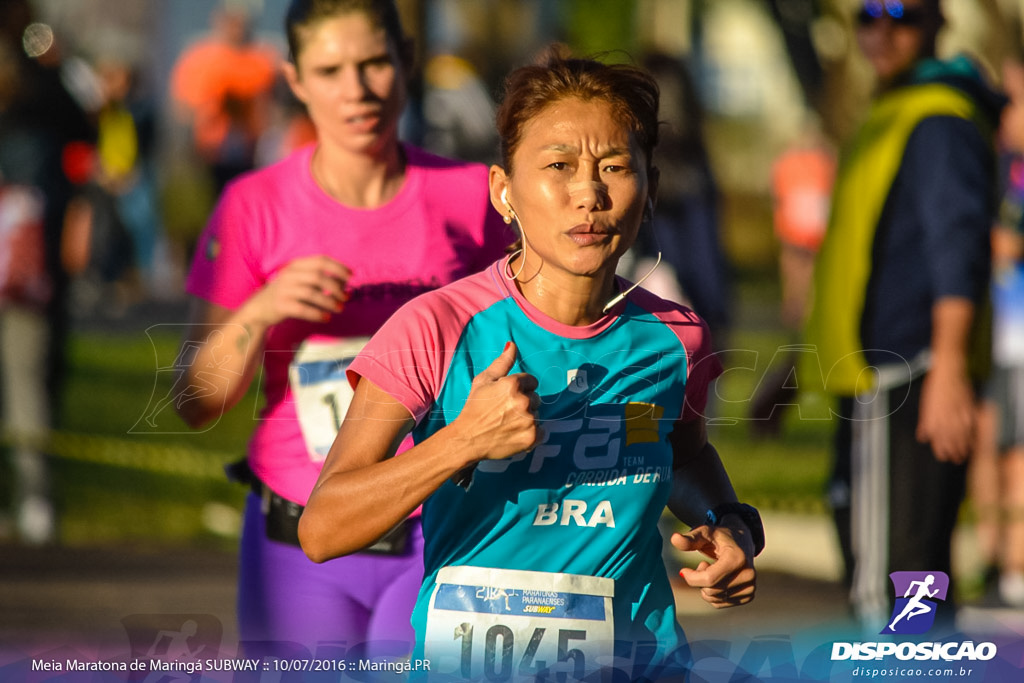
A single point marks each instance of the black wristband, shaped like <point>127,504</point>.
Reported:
<point>749,515</point>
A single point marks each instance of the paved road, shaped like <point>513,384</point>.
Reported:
<point>86,602</point>
<point>81,595</point>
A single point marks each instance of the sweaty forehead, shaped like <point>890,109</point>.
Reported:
<point>575,126</point>
<point>348,34</point>
<point>601,149</point>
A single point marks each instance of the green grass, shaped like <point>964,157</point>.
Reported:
<point>114,379</point>
<point>114,482</point>
<point>116,479</point>
<point>787,472</point>
<point>110,504</point>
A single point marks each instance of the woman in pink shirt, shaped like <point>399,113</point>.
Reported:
<point>300,263</point>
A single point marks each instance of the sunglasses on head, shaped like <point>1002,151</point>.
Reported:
<point>898,14</point>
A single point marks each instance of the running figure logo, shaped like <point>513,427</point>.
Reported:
<point>915,610</point>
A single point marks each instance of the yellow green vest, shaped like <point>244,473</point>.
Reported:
<point>866,173</point>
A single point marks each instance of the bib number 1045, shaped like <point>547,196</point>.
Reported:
<point>499,654</point>
<point>490,624</point>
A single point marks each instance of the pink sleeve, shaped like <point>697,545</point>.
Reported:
<point>409,356</point>
<point>471,195</point>
<point>702,368</point>
<point>223,269</point>
<point>404,359</point>
<point>702,363</point>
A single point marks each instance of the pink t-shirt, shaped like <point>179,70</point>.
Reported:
<point>438,228</point>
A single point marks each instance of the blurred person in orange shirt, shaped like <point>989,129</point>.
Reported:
<point>802,178</point>
<point>222,87</point>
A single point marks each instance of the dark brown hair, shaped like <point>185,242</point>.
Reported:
<point>304,13</point>
<point>631,92</point>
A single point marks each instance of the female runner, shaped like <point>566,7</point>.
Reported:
<point>556,412</point>
<point>300,263</point>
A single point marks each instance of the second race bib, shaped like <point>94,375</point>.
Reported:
<point>321,390</point>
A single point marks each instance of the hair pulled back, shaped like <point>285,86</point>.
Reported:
<point>304,13</point>
<point>529,90</point>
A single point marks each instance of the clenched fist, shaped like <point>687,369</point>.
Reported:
<point>500,415</point>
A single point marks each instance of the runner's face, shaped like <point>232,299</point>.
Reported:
<point>352,81</point>
<point>892,46</point>
<point>579,187</point>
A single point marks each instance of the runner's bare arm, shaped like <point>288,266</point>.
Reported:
<point>699,483</point>
<point>225,345</point>
<point>218,355</point>
<point>699,480</point>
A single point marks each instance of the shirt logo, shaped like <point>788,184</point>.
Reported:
<point>576,380</point>
<point>917,598</point>
<point>495,595</point>
<point>212,250</point>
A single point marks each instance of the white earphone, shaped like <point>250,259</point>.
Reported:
<point>504,200</point>
<point>619,297</point>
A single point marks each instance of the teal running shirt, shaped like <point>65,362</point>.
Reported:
<point>549,560</point>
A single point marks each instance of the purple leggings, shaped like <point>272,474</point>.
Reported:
<point>288,603</point>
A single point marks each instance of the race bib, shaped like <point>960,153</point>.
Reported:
<point>321,391</point>
<point>500,624</point>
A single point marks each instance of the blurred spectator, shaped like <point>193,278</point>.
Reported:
<point>997,465</point>
<point>898,281</point>
<point>685,229</point>
<point>802,179</point>
<point>290,127</point>
<point>222,87</point>
<point>40,122</point>
<point>115,222</point>
<point>458,110</point>
<point>126,153</point>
